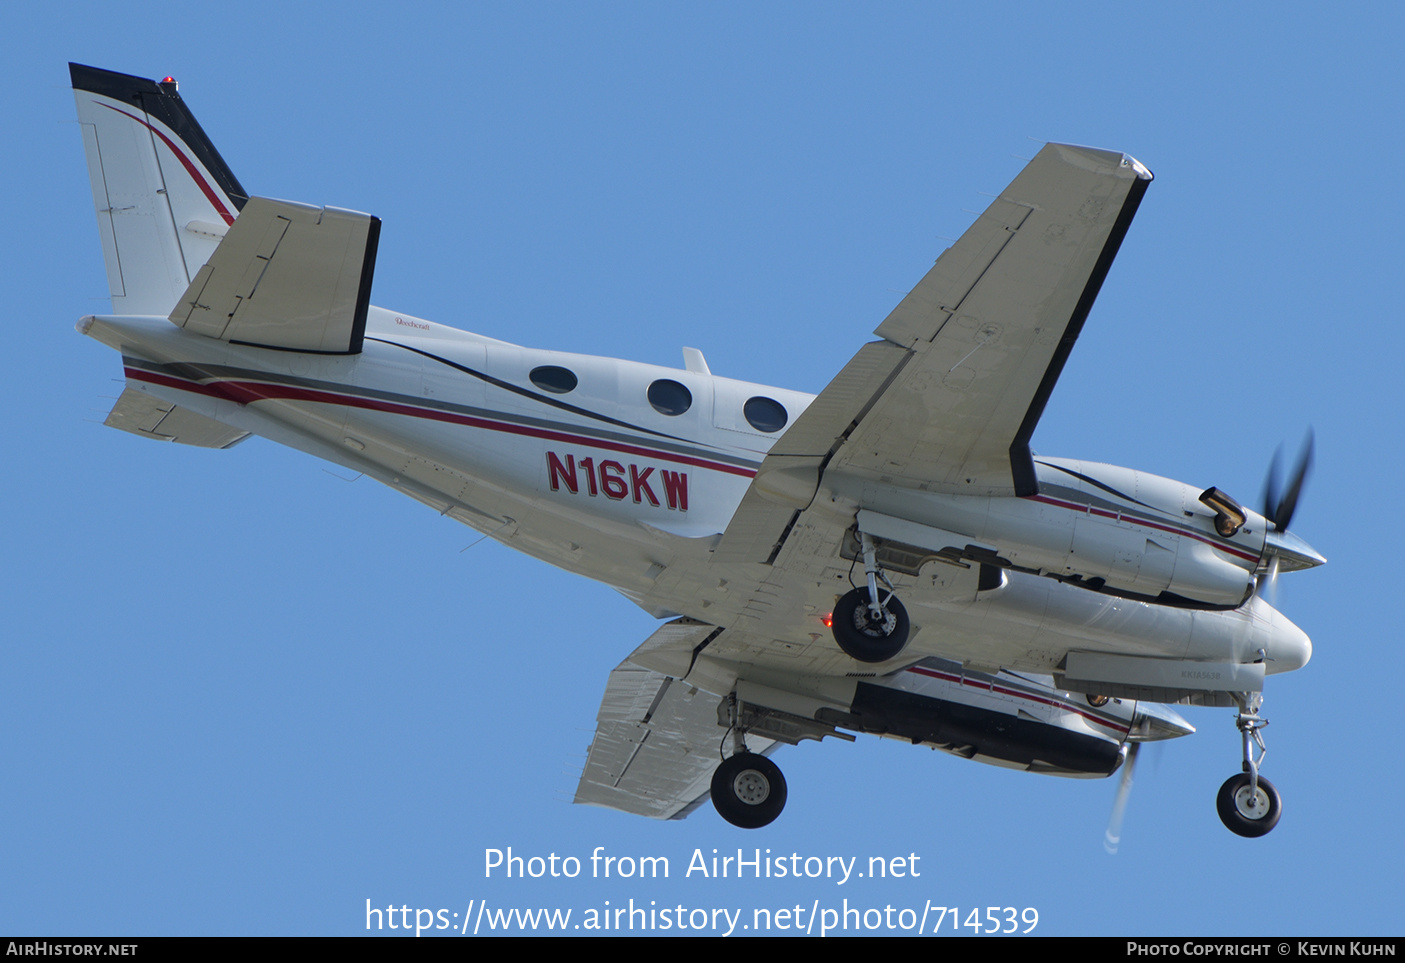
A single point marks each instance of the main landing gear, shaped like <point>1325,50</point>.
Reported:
<point>748,789</point>
<point>870,624</point>
<point>1248,804</point>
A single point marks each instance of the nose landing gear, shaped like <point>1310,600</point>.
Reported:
<point>1247,809</point>
<point>1248,804</point>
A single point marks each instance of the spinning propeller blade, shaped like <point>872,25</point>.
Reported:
<point>1113,838</point>
<point>1282,550</point>
<point>1280,503</point>
<point>1268,587</point>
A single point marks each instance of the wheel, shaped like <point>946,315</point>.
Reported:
<point>748,790</point>
<point>860,636</point>
<point>1247,814</point>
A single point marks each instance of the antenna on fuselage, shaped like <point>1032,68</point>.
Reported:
<point>694,361</point>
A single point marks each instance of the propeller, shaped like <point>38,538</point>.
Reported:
<point>1113,838</point>
<point>1151,722</point>
<point>1280,503</point>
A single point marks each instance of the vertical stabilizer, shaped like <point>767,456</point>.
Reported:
<point>163,194</point>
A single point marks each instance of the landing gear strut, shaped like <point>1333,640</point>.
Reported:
<point>870,624</point>
<point>748,789</point>
<point>1248,804</point>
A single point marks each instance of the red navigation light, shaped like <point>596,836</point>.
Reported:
<point>168,80</point>
<point>828,621</point>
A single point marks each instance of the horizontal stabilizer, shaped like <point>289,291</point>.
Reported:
<point>148,416</point>
<point>287,276</point>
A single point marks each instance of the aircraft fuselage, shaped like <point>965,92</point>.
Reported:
<point>596,480</point>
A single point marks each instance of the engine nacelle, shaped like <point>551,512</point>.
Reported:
<point>1097,526</point>
<point>1003,720</point>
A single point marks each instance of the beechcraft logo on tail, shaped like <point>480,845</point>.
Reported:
<point>618,481</point>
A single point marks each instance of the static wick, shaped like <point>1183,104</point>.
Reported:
<point>487,535</point>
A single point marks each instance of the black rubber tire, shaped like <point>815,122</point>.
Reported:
<point>748,790</point>
<point>1238,818</point>
<point>863,640</point>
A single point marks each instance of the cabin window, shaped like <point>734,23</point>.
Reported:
<point>765,414</point>
<point>554,378</point>
<point>669,397</point>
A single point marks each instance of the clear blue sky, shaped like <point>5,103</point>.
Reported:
<point>241,695</point>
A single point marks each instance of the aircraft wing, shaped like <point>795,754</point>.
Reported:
<point>657,740</point>
<point>950,397</point>
<point>286,276</point>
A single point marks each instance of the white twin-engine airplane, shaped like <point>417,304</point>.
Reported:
<point>886,557</point>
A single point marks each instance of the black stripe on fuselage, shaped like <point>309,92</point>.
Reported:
<point>1093,481</point>
<point>526,393</point>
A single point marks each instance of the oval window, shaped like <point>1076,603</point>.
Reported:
<point>669,397</point>
<point>554,378</point>
<point>765,414</point>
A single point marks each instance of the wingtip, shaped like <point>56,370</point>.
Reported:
<point>1138,167</point>
<point>1098,159</point>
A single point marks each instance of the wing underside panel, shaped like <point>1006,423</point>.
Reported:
<point>657,742</point>
<point>992,324</point>
<point>949,400</point>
